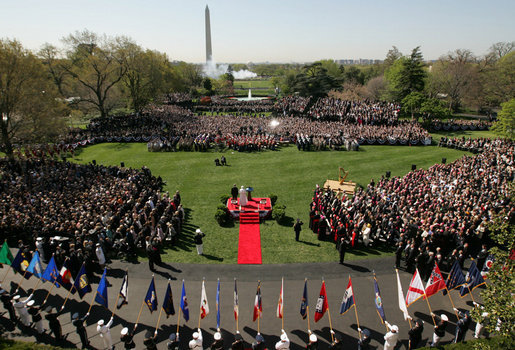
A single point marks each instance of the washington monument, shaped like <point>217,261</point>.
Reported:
<point>209,52</point>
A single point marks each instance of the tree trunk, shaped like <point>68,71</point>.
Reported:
<point>7,145</point>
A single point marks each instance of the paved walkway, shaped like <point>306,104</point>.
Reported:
<point>335,275</point>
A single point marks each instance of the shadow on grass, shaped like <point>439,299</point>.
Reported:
<point>212,257</point>
<point>310,243</point>
<point>118,146</point>
<point>287,221</point>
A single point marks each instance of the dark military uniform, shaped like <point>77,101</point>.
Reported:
<point>8,304</point>
<point>150,341</point>
<point>54,324</point>
<point>81,330</point>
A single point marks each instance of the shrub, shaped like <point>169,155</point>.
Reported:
<point>221,217</point>
<point>224,198</point>
<point>278,213</point>
<point>273,198</point>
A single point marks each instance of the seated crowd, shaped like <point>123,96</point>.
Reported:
<point>440,214</point>
<point>86,212</point>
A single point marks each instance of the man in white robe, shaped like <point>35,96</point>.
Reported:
<point>243,196</point>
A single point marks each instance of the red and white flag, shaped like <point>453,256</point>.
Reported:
<point>236,307</point>
<point>415,290</point>
<point>435,283</point>
<point>280,304</point>
<point>204,305</point>
<point>258,307</point>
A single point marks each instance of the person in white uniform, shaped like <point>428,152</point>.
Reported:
<point>243,196</point>
<point>391,338</point>
<point>196,342</point>
<point>21,308</point>
<point>105,333</point>
<point>284,343</point>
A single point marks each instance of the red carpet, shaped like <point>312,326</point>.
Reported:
<point>249,242</point>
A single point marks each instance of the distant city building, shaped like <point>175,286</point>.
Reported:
<point>360,61</point>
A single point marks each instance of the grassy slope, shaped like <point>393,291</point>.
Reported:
<point>288,173</point>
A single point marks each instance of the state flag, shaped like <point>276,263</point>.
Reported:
<point>204,305</point>
<point>151,297</point>
<point>415,289</point>
<point>455,278</point>
<point>379,301</point>
<point>184,303</point>
<point>402,301</point>
<point>6,257</point>
<point>435,283</point>
<point>304,301</point>
<point>123,294</point>
<point>168,302</point>
<point>35,266</point>
<point>322,303</point>
<point>258,306</point>
<point>280,303</point>
<point>472,280</point>
<point>51,273</point>
<point>236,307</point>
<point>65,276</point>
<point>489,262</point>
<point>348,298</point>
<point>101,296</point>
<point>81,283</point>
<point>20,264</point>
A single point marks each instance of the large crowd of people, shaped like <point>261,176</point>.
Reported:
<point>440,214</point>
<point>78,211</point>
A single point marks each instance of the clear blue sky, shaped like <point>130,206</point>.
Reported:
<point>265,30</point>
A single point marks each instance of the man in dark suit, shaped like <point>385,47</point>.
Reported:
<point>78,322</point>
<point>297,227</point>
<point>234,192</point>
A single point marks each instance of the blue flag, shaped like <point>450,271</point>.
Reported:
<point>473,280</point>
<point>81,283</point>
<point>455,278</point>
<point>151,297</point>
<point>348,298</point>
<point>35,266</point>
<point>101,296</point>
<point>168,302</point>
<point>379,301</point>
<point>51,272</point>
<point>21,263</point>
<point>304,302</point>
<point>218,305</point>
<point>184,303</point>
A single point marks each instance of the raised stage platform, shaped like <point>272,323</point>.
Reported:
<point>263,206</point>
<point>345,187</point>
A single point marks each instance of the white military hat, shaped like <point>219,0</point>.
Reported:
<point>30,303</point>
<point>284,337</point>
<point>444,317</point>
<point>124,331</point>
<point>198,230</point>
<point>16,297</point>
<point>100,323</point>
<point>313,338</point>
<point>217,336</point>
<point>395,328</point>
<point>195,335</point>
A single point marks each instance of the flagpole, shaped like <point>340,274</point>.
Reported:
<point>179,319</point>
<point>470,292</point>
<point>21,281</point>
<point>259,312</point>
<point>307,311</point>
<point>330,324</point>
<point>429,306</point>
<point>6,272</point>
<point>92,301</point>
<point>37,284</point>
<point>50,291</point>
<point>159,318</point>
<point>67,296</point>
<point>115,304</point>
<point>452,303</point>
<point>200,307</point>
<point>356,310</point>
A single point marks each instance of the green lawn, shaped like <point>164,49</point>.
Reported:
<point>250,83</point>
<point>288,173</point>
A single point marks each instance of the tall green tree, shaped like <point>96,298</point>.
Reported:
<point>29,105</point>
<point>505,124</point>
<point>97,65</point>
<point>498,298</point>
<point>406,75</point>
<point>412,103</point>
<point>314,80</point>
<point>146,74</point>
